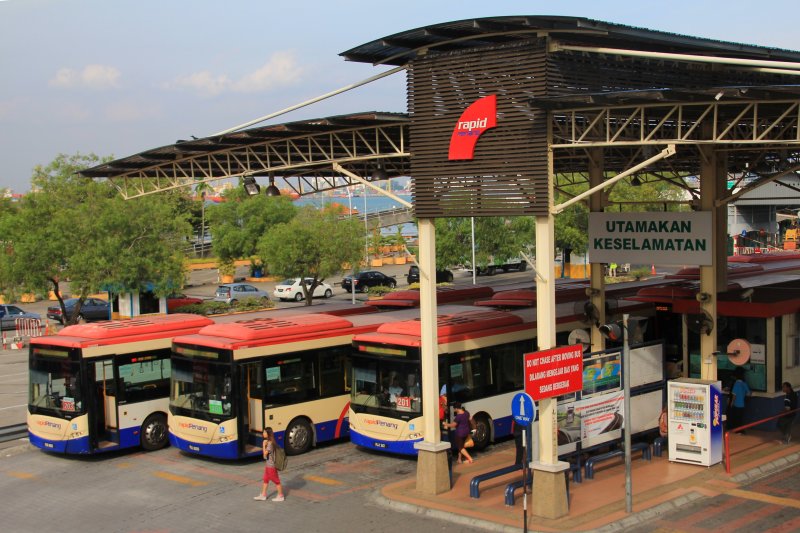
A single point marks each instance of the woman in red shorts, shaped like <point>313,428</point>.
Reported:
<point>270,472</point>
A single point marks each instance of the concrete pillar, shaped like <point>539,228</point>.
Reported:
<point>549,483</point>
<point>597,280</point>
<point>713,278</point>
<point>433,476</point>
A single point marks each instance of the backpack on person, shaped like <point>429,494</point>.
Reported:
<point>279,458</point>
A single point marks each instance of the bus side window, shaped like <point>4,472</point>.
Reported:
<point>146,380</point>
<point>331,366</point>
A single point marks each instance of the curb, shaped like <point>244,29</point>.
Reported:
<point>445,516</point>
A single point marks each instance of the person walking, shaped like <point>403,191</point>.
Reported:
<point>462,430</point>
<point>739,392</point>
<point>789,404</point>
<point>270,472</point>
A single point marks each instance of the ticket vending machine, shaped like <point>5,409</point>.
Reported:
<point>694,409</point>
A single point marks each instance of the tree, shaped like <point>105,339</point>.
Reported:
<point>314,244</point>
<point>72,228</point>
<point>496,239</point>
<point>240,221</point>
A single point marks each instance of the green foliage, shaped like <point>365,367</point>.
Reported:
<point>241,220</point>
<point>315,244</point>
<point>496,238</point>
<point>77,229</point>
<point>379,290</point>
<point>220,308</point>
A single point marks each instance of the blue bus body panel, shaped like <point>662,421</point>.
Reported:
<point>72,446</point>
<point>404,448</point>
<point>129,438</point>
<point>225,450</point>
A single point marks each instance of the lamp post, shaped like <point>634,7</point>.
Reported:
<point>353,279</point>
<point>202,224</point>
<point>613,332</point>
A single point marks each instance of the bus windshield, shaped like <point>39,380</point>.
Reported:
<point>55,386</point>
<point>201,389</point>
<point>386,387</point>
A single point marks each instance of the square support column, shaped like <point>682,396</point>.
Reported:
<point>549,483</point>
<point>433,476</point>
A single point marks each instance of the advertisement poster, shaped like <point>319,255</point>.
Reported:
<point>600,414</point>
<point>601,373</point>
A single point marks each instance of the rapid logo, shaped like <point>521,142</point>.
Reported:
<point>480,116</point>
<point>189,425</point>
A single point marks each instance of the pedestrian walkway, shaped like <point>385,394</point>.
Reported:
<point>665,494</point>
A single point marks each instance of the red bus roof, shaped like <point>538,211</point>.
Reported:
<point>288,329</point>
<point>121,331</point>
<point>444,295</point>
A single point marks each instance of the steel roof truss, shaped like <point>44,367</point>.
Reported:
<point>735,122</point>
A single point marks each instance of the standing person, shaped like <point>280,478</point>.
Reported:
<point>789,404</point>
<point>270,472</point>
<point>663,423</point>
<point>462,430</point>
<point>739,392</point>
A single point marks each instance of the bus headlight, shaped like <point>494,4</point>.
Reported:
<point>223,439</point>
<point>413,436</point>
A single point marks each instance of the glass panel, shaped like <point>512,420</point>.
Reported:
<point>391,388</point>
<point>201,389</point>
<point>290,381</point>
<point>55,385</point>
<point>145,379</point>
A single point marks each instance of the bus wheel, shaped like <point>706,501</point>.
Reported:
<point>483,432</point>
<point>297,439</point>
<point>154,432</point>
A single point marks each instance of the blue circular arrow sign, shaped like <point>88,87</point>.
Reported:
<point>523,409</point>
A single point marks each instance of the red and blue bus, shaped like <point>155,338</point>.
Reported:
<point>104,386</point>
<point>230,381</point>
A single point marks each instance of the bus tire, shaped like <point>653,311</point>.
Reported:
<point>298,437</point>
<point>483,431</point>
<point>154,432</point>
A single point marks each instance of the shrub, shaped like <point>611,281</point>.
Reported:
<point>379,290</point>
<point>211,307</point>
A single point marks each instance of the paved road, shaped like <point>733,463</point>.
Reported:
<point>331,489</point>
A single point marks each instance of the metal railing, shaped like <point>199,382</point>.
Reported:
<point>793,412</point>
<point>17,431</point>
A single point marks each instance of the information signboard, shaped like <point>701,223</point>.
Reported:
<point>554,372</point>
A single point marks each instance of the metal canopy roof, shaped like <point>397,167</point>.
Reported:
<point>402,47</point>
<point>300,152</point>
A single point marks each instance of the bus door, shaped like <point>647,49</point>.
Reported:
<point>251,409</point>
<point>103,390</point>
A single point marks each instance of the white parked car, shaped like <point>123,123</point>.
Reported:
<point>290,289</point>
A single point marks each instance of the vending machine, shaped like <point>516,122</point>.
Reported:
<point>694,410</point>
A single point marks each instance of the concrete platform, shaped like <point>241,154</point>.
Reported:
<point>662,493</point>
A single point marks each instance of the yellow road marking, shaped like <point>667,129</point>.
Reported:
<point>22,475</point>
<point>766,498</point>
<point>124,465</point>
<point>180,479</point>
<point>323,480</point>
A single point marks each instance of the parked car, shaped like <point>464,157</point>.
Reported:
<point>10,313</point>
<point>290,289</point>
<point>92,309</point>
<point>233,292</point>
<point>174,301</point>
<point>442,276</point>
<point>367,279</point>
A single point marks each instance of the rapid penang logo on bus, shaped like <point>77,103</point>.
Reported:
<point>480,116</point>
<point>195,427</point>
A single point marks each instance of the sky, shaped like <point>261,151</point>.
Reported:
<point>116,77</point>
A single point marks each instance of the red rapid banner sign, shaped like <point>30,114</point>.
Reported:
<point>554,372</point>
